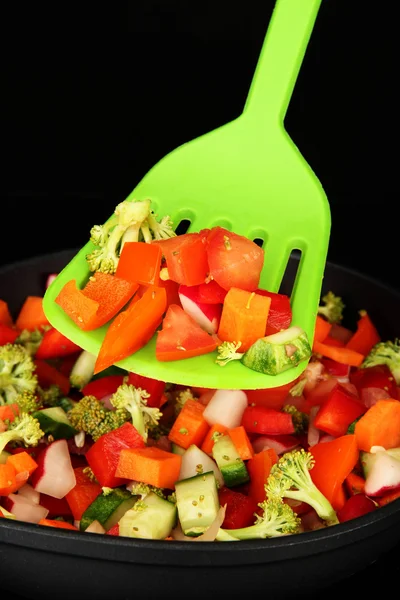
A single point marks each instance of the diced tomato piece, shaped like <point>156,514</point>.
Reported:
<point>186,257</point>
<point>234,260</point>
<point>280,312</point>
<point>379,376</point>
<point>181,337</point>
<point>263,420</point>
<point>240,508</point>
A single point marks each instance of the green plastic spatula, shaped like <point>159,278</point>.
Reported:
<point>249,177</point>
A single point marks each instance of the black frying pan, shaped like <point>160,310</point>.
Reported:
<point>38,562</point>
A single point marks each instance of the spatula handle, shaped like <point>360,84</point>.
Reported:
<point>280,59</point>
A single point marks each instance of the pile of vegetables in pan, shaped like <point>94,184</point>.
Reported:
<point>90,447</point>
<point>198,292</point>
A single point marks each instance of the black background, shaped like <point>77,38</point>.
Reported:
<point>92,100</point>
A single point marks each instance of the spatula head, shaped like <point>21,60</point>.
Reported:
<point>258,186</point>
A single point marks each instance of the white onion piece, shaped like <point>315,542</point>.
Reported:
<point>29,493</point>
<point>226,407</point>
<point>313,433</point>
<point>95,527</point>
<point>79,439</point>
<point>280,444</point>
<point>208,536</point>
<point>195,461</point>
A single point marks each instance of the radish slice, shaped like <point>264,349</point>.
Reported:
<point>207,316</point>
<point>24,509</point>
<point>95,527</point>
<point>371,395</point>
<point>50,279</point>
<point>207,536</point>
<point>195,461</point>
<point>54,474</point>
<point>29,493</point>
<point>226,407</point>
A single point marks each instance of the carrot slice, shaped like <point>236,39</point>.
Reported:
<point>8,483</point>
<point>150,465</point>
<point>31,315</point>
<point>103,296</point>
<point>22,462</point>
<point>140,262</point>
<point>189,427</point>
<point>259,467</point>
<point>9,412</point>
<point>322,328</point>
<point>379,426</point>
<point>340,354</point>
<point>211,436</point>
<point>244,317</point>
<point>57,524</point>
<point>5,314</point>
<point>132,328</point>
<point>82,494</point>
<point>241,442</point>
<point>334,461</point>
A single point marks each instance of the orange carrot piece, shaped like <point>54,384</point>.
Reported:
<point>22,462</point>
<point>340,354</point>
<point>379,426</point>
<point>132,328</point>
<point>322,328</point>
<point>150,465</point>
<point>259,468</point>
<point>140,262</point>
<point>334,461</point>
<point>355,484</point>
<point>244,317</point>
<point>366,335</point>
<point>31,315</point>
<point>8,482</point>
<point>215,431</point>
<point>57,524</point>
<point>5,314</point>
<point>189,427</point>
<point>9,412</point>
<point>241,442</point>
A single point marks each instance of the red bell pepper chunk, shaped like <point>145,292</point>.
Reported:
<point>378,376</point>
<point>104,386</point>
<point>280,312</point>
<point>338,411</point>
<point>259,468</point>
<point>55,345</point>
<point>355,506</point>
<point>186,257</point>
<point>5,314</point>
<point>140,262</point>
<point>270,397</point>
<point>103,456</point>
<point>240,508</point>
<point>263,420</point>
<point>82,494</point>
<point>154,387</point>
<point>49,375</point>
<point>365,337</point>
<point>8,334</point>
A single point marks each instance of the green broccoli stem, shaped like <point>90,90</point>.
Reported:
<point>6,437</point>
<point>312,496</point>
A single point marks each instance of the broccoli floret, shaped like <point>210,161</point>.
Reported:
<point>91,416</point>
<point>17,372</point>
<point>89,474</point>
<point>227,351</point>
<point>25,428</point>
<point>30,340</point>
<point>132,220</point>
<point>137,488</point>
<point>332,308</point>
<point>290,478</point>
<point>29,402</point>
<point>181,398</point>
<point>385,353</point>
<point>278,519</point>
<point>129,400</point>
<point>300,419</point>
